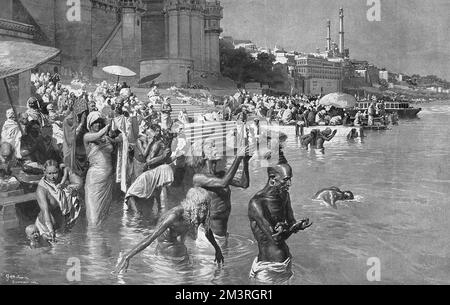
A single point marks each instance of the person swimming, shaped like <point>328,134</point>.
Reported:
<point>332,194</point>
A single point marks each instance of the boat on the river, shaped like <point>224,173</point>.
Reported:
<point>403,108</point>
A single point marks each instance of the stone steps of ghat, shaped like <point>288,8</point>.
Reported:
<point>192,110</point>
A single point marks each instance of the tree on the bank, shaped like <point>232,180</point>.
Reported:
<point>235,63</point>
<point>241,67</point>
<point>384,85</point>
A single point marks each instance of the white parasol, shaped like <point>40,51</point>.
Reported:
<point>339,100</point>
<point>119,71</point>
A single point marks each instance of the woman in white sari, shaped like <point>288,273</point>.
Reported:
<point>99,179</point>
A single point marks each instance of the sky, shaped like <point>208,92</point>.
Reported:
<point>413,36</point>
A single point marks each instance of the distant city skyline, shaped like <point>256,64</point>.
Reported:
<point>412,36</point>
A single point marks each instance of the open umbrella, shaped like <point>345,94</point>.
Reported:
<point>149,78</point>
<point>119,71</point>
<point>17,57</point>
<point>339,100</point>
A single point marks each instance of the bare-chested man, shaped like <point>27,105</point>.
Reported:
<point>58,202</point>
<point>157,153</point>
<point>218,186</point>
<point>316,138</point>
<point>173,228</point>
<point>272,222</point>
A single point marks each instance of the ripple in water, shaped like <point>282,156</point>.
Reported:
<point>199,267</point>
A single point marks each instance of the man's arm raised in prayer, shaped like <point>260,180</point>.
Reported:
<point>122,266</point>
<point>202,180</point>
<point>244,181</point>
<point>331,136</point>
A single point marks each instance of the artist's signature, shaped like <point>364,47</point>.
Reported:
<point>15,279</point>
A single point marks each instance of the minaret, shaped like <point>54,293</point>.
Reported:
<point>328,36</point>
<point>341,31</point>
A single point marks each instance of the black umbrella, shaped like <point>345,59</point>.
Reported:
<point>149,78</point>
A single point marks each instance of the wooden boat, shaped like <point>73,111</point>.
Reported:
<point>403,109</point>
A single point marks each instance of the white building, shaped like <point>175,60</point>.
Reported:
<point>384,75</point>
<point>317,75</point>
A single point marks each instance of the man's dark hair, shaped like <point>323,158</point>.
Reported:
<point>155,127</point>
<point>30,125</point>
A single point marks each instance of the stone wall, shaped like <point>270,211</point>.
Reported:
<point>103,23</point>
<point>154,31</point>
<point>111,55</point>
<point>198,33</point>
<point>7,9</point>
<point>153,37</point>
<point>173,70</point>
<point>73,38</point>
<point>40,14</point>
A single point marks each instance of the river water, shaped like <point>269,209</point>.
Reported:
<point>401,179</point>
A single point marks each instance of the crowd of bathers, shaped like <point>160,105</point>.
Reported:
<point>85,147</point>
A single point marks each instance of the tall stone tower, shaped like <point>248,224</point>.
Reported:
<point>181,44</point>
<point>213,15</point>
<point>341,32</point>
<point>131,11</point>
<point>185,26</point>
<point>328,36</point>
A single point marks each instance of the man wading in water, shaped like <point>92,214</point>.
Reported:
<point>272,222</point>
<point>218,187</point>
<point>174,226</point>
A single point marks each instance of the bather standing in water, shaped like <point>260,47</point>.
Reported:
<point>99,178</point>
<point>323,136</point>
<point>316,138</point>
<point>218,186</point>
<point>58,201</point>
<point>157,171</point>
<point>174,226</point>
<point>272,222</point>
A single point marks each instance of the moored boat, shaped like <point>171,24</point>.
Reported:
<point>403,109</point>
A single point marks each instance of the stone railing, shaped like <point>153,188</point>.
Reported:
<point>192,5</point>
<point>106,4</point>
<point>214,10</point>
<point>137,4</point>
<point>15,26</point>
